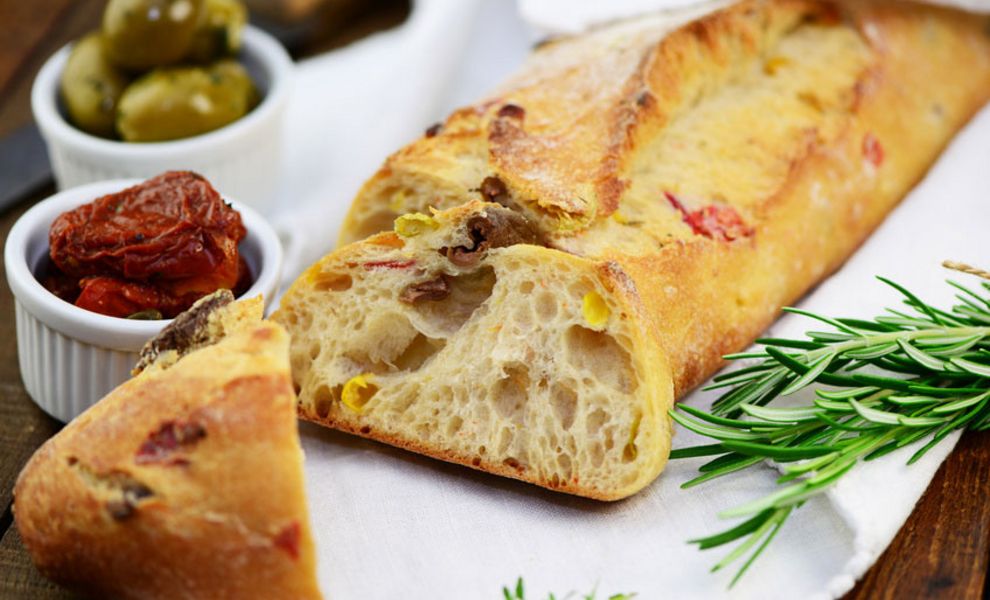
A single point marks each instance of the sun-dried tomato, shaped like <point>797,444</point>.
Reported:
<point>288,539</point>
<point>159,245</point>
<point>873,150</point>
<point>716,221</point>
<point>160,444</point>
<point>388,264</point>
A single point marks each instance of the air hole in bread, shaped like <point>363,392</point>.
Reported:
<point>550,442</point>
<point>454,425</point>
<point>564,401</point>
<point>597,353</point>
<point>511,393</point>
<point>442,318</point>
<point>564,462</point>
<point>418,352</point>
<point>401,402</point>
<point>387,337</point>
<point>579,288</point>
<point>514,463</point>
<point>332,282</point>
<point>323,399</point>
<point>546,306</point>
<point>594,421</point>
<point>504,440</point>
<point>597,454</point>
<point>526,287</point>
<point>629,452</point>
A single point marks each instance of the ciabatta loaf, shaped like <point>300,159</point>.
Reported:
<point>727,166</point>
<point>184,482</point>
<point>719,171</point>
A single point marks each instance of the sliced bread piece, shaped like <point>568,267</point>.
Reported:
<point>457,337</point>
<point>184,482</point>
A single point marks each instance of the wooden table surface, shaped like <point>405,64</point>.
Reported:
<point>943,550</point>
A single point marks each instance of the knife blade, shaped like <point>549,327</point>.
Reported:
<point>24,165</point>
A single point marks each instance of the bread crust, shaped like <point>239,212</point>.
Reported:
<point>727,294</point>
<point>184,482</point>
<point>803,208</point>
<point>723,168</point>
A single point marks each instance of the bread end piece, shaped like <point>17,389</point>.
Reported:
<point>183,482</point>
<point>453,337</point>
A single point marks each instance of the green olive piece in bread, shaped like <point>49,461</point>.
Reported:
<point>218,33</point>
<point>91,87</point>
<point>180,102</point>
<point>143,34</point>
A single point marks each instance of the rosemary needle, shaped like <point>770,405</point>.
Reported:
<point>929,376</point>
<point>519,593</point>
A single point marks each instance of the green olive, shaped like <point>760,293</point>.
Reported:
<point>179,102</point>
<point>142,34</point>
<point>91,87</point>
<point>218,33</point>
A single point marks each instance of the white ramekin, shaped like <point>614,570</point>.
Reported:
<point>242,160</point>
<point>71,357</point>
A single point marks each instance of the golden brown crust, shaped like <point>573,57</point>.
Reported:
<point>561,131</point>
<point>834,195</point>
<point>497,468</point>
<point>614,142</point>
<point>182,483</point>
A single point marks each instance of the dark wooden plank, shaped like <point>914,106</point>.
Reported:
<point>943,551</point>
<point>18,42</point>
<point>20,579</point>
<point>56,25</point>
<point>23,426</point>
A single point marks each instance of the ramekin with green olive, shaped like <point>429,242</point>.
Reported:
<point>159,70</point>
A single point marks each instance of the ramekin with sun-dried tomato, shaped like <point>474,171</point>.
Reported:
<point>129,253</point>
<point>148,251</point>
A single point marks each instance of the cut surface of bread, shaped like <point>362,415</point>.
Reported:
<point>184,482</point>
<point>456,338</point>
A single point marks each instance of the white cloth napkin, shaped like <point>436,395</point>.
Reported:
<point>390,524</point>
<point>573,16</point>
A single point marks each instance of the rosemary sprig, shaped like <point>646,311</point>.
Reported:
<point>928,375</point>
<point>519,593</point>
